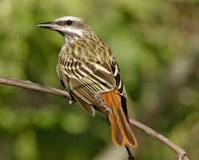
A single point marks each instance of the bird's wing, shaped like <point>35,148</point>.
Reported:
<point>87,80</point>
<point>120,85</point>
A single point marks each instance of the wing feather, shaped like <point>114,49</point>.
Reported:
<point>120,86</point>
<point>87,80</point>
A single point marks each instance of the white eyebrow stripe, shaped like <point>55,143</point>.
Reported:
<point>69,18</point>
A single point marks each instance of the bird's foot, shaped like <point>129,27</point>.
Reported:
<point>104,109</point>
<point>71,101</point>
<point>107,110</point>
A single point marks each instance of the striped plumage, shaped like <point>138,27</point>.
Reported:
<point>89,71</point>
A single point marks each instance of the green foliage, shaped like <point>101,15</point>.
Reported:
<point>156,44</point>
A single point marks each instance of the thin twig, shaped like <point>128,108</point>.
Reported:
<point>35,87</point>
<point>46,89</point>
<point>179,151</point>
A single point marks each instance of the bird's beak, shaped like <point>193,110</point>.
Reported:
<point>48,25</point>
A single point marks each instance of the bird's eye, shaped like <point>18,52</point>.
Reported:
<point>63,23</point>
<point>69,22</point>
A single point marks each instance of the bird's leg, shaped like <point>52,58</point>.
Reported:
<point>130,155</point>
<point>72,100</point>
<point>103,108</point>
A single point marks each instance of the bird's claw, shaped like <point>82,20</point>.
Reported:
<point>70,101</point>
<point>107,111</point>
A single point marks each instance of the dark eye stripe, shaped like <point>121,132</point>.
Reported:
<point>62,23</point>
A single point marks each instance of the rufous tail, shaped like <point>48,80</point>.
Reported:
<point>121,130</point>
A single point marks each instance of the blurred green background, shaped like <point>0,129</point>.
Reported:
<point>157,45</point>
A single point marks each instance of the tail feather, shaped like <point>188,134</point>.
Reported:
<point>116,133</point>
<point>121,131</point>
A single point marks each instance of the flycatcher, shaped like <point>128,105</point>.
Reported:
<point>89,71</point>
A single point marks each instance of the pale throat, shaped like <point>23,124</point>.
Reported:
<point>73,34</point>
<point>69,40</point>
<point>75,31</point>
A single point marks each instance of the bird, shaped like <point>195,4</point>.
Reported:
<point>89,71</point>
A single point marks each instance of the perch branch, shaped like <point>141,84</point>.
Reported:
<point>34,86</point>
<point>46,89</point>
<point>182,155</point>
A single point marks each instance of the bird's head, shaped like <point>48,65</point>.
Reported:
<point>69,26</point>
